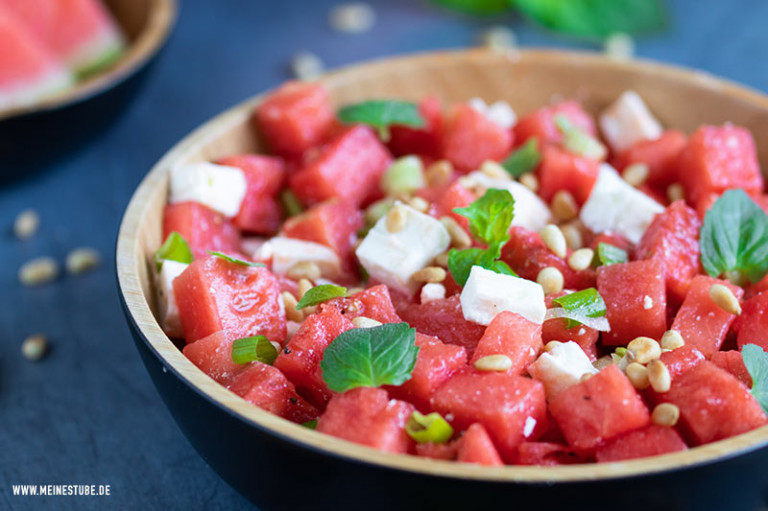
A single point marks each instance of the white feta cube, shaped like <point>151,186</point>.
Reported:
<point>432,291</point>
<point>561,367</point>
<point>499,112</point>
<point>488,293</point>
<point>628,121</point>
<point>392,257</point>
<point>166,300</point>
<point>287,252</point>
<point>531,212</point>
<point>219,187</point>
<point>615,206</point>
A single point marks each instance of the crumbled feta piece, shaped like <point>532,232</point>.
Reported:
<point>392,257</point>
<point>530,211</point>
<point>255,247</point>
<point>627,121</point>
<point>561,367</point>
<point>488,293</point>
<point>287,252</point>
<point>169,312</point>
<point>614,205</point>
<point>529,426</point>
<point>219,187</point>
<point>499,112</point>
<point>432,291</point>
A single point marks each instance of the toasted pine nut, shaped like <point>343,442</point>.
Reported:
<point>602,362</point>
<point>365,322</point>
<point>439,173</point>
<point>304,270</point>
<point>671,340</point>
<point>636,174</point>
<point>430,274</point>
<point>564,206</point>
<point>460,239</point>
<point>665,414</point>
<point>276,345</point>
<point>442,259</point>
<point>304,286</point>
<point>34,347</point>
<point>725,299</point>
<point>572,235</point>
<point>644,349</point>
<point>581,259</point>
<point>551,279</point>
<point>26,224</point>
<point>38,271</point>
<point>530,181</point>
<point>638,375</point>
<point>493,170</point>
<point>419,204</point>
<point>658,376</point>
<point>585,377</point>
<point>675,191</point>
<point>552,345</point>
<point>493,363</point>
<point>395,218</point>
<point>81,260</point>
<point>290,303</point>
<point>553,238</point>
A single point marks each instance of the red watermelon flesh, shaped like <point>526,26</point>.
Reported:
<point>455,196</point>
<point>213,294</point>
<point>651,441</point>
<point>512,335</point>
<point>203,228</point>
<point>446,452</point>
<point>680,360</point>
<point>28,71</point>
<point>469,138</point>
<point>753,322</point>
<point>541,123</point>
<point>213,355</point>
<point>546,454</point>
<point>733,362</point>
<point>476,446</point>
<point>563,170</point>
<point>266,387</point>
<point>424,141</point>
<point>374,303</point>
<point>660,155</point>
<point>367,416</point>
<point>558,330</point>
<point>80,33</point>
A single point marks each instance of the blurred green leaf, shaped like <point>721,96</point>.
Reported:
<point>480,7</point>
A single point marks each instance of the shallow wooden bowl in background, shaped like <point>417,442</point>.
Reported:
<point>35,135</point>
<point>279,465</point>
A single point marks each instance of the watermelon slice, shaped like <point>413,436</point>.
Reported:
<point>28,72</point>
<point>80,33</point>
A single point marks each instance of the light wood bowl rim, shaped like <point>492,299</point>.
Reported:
<point>129,259</point>
<point>147,44</point>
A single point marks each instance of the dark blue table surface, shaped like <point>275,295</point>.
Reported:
<point>88,414</point>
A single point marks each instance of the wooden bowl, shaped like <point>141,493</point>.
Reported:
<point>279,465</point>
<point>33,135</point>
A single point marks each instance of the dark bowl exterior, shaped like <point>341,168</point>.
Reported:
<point>275,473</point>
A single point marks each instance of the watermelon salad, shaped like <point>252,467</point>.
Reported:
<point>467,285</point>
<point>48,45</point>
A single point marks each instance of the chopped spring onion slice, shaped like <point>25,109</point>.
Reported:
<point>291,204</point>
<point>319,294</point>
<point>523,160</point>
<point>600,324</point>
<point>608,254</point>
<point>235,260</point>
<point>175,248</point>
<point>579,142</point>
<point>253,348</point>
<point>428,428</point>
<point>310,424</point>
<point>404,176</point>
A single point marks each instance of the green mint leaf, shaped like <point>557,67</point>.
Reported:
<point>253,348</point>
<point>595,18</point>
<point>428,428</point>
<point>490,216</point>
<point>320,294</point>
<point>579,142</point>
<point>370,357</point>
<point>175,248</point>
<point>234,260</point>
<point>310,424</point>
<point>381,114</point>
<point>608,254</point>
<point>477,7</point>
<point>291,204</point>
<point>523,160</point>
<point>734,237</point>
<point>502,267</point>
<point>586,303</point>
<point>756,361</point>
<point>460,262</point>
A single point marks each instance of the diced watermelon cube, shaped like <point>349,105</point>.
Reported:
<point>445,320</point>
<point>260,211</point>
<point>435,364</point>
<point>266,387</point>
<point>512,335</point>
<point>213,355</point>
<point>476,446</point>
<point>651,441</point>
<point>610,238</point>
<point>405,140</point>
<point>203,228</point>
<point>681,360</point>
<point>703,324</point>
<point>599,409</point>
<point>295,117</point>
<point>446,452</point>
<point>367,416</point>
<point>558,330</point>
<point>563,170</point>
<point>300,358</point>
<point>753,322</point>
<point>455,196</point>
<point>374,303</point>
<point>213,294</point>
<point>635,300</point>
<point>713,405</point>
<point>469,138</point>
<point>733,362</point>
<point>541,123</point>
<point>546,454</point>
<point>719,158</point>
<point>660,155</point>
<point>331,223</point>
<point>348,167</point>
<point>519,412</point>
<point>673,239</point>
